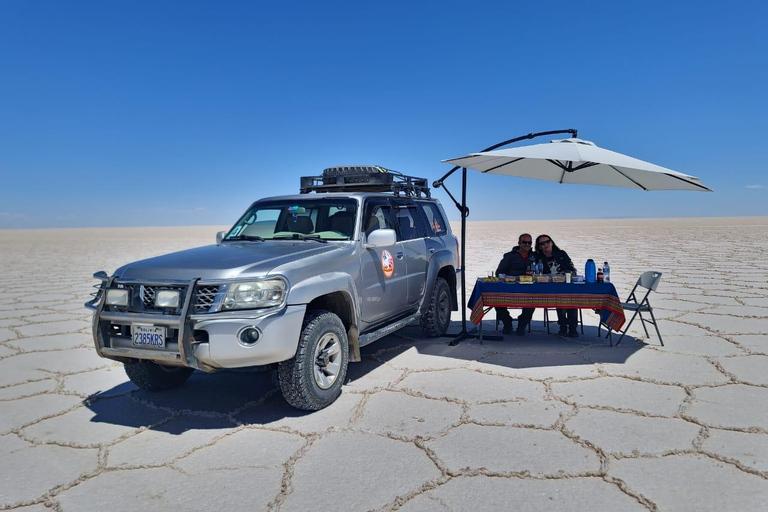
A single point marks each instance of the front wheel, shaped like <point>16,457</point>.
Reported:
<point>437,317</point>
<point>154,377</point>
<point>312,379</point>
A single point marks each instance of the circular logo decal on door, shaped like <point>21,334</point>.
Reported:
<point>387,263</point>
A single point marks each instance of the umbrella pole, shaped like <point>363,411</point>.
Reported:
<point>463,334</point>
<point>464,214</point>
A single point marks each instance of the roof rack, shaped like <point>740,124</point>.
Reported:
<point>365,178</point>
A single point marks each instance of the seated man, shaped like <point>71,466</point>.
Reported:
<point>515,263</point>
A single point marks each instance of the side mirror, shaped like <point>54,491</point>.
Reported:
<point>220,237</point>
<point>381,238</point>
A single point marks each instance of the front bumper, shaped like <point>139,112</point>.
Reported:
<point>202,341</point>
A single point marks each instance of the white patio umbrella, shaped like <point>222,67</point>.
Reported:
<point>578,161</point>
<point>563,161</point>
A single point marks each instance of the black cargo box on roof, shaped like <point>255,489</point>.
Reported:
<point>365,178</point>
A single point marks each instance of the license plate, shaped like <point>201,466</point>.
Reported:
<point>148,336</point>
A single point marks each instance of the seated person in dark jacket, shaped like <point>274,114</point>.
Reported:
<point>515,263</point>
<point>557,261</point>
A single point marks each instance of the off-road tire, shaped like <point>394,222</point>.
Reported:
<point>437,317</point>
<point>298,382</point>
<point>154,377</point>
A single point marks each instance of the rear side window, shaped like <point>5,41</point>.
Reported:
<point>409,224</point>
<point>435,222</point>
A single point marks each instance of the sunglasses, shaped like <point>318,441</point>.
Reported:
<point>545,242</point>
<point>525,242</point>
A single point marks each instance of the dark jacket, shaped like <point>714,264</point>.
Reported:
<point>559,262</point>
<point>513,264</point>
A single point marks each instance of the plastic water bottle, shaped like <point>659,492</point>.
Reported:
<point>606,272</point>
<point>590,272</point>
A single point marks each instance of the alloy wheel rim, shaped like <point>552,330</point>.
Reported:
<point>327,362</point>
<point>443,309</point>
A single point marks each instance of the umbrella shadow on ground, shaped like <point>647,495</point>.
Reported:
<point>252,397</point>
<point>535,350</point>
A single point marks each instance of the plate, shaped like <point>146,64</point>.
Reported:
<point>149,336</point>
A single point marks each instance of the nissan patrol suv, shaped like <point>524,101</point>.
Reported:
<point>299,283</point>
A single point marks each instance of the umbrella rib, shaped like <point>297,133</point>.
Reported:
<point>584,166</point>
<point>689,182</point>
<point>502,165</point>
<point>630,179</point>
<point>558,164</point>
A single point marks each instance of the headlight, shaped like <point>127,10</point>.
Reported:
<point>117,297</point>
<point>167,299</point>
<point>256,294</point>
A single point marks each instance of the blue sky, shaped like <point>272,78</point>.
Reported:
<point>155,113</point>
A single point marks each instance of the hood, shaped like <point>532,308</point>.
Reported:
<point>224,261</point>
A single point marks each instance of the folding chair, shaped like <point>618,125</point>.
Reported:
<point>546,318</point>
<point>650,281</point>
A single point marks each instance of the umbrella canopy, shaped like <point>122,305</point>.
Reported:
<point>578,161</point>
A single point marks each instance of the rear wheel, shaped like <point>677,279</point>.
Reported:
<point>312,380</point>
<point>152,376</point>
<point>437,317</point>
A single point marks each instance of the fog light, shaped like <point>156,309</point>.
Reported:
<point>167,299</point>
<point>249,336</point>
<point>117,297</point>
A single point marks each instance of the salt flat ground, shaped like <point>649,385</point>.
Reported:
<point>530,423</point>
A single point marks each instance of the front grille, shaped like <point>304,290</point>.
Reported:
<point>148,296</point>
<point>204,297</point>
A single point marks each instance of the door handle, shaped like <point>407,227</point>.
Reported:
<point>400,255</point>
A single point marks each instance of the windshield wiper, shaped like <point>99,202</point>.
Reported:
<point>245,237</point>
<point>300,236</point>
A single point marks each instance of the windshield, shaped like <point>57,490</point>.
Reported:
<point>303,219</point>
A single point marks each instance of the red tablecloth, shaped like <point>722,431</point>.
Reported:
<point>598,296</point>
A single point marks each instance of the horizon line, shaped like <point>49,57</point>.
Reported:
<point>616,218</point>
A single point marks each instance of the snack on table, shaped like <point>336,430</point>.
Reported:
<point>526,279</point>
<point>541,278</point>
<point>510,279</point>
<point>558,278</point>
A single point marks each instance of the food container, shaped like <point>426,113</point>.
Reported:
<point>541,278</point>
<point>525,279</point>
<point>577,279</point>
<point>510,279</point>
<point>558,278</point>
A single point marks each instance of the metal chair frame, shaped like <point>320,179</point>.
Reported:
<point>546,318</point>
<point>650,281</point>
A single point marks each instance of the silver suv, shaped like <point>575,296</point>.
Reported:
<point>299,283</point>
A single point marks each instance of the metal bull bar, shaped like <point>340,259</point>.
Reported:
<point>180,322</point>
